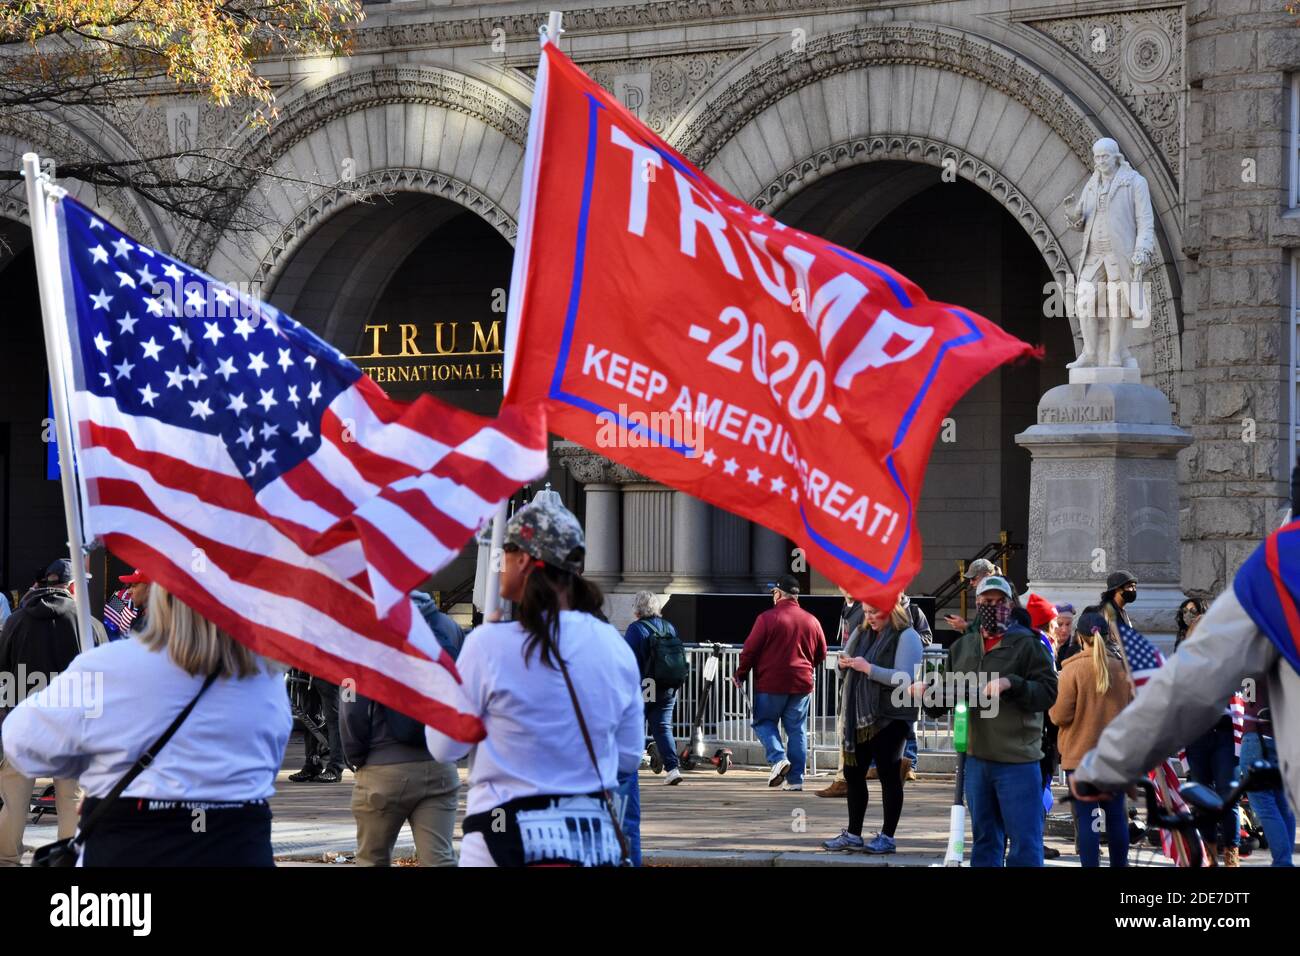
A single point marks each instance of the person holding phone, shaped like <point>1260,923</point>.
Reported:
<point>880,662</point>
<point>979,569</point>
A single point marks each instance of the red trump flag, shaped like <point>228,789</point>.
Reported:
<point>677,330</point>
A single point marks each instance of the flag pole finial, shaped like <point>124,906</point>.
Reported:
<point>554,27</point>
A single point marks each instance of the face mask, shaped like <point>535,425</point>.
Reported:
<point>1130,595</point>
<point>993,618</point>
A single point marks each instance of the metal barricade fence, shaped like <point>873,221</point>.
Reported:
<point>729,712</point>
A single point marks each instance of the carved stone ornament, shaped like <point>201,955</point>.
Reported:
<point>330,200</point>
<point>658,89</point>
<point>590,468</point>
<point>1140,56</point>
<point>23,131</point>
<point>882,44</point>
<point>384,35</point>
<point>361,90</point>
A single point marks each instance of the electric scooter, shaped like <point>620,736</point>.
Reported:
<point>695,753</point>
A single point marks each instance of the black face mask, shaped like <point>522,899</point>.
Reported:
<point>1130,595</point>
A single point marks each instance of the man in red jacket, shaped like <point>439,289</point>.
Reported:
<point>783,648</point>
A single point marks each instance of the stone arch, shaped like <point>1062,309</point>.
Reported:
<point>378,182</point>
<point>330,266</point>
<point>391,127</point>
<point>919,149</point>
<point>780,119</point>
<point>67,138</point>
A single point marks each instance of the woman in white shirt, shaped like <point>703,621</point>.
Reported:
<point>203,800</point>
<point>535,797</point>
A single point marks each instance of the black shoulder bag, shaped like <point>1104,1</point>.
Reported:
<point>591,752</point>
<point>66,852</point>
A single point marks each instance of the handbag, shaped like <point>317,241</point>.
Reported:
<point>591,752</point>
<point>63,853</point>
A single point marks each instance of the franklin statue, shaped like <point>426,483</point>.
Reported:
<point>1118,246</point>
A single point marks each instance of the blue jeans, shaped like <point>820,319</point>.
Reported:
<point>1087,820</point>
<point>659,715</point>
<point>1275,815</point>
<point>1005,800</point>
<point>628,802</point>
<point>791,712</point>
<point>1212,760</point>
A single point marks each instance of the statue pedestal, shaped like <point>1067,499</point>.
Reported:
<point>1104,495</point>
<point>1099,375</point>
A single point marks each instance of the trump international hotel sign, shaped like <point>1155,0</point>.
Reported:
<point>455,354</point>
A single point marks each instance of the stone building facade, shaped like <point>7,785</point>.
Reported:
<point>940,136</point>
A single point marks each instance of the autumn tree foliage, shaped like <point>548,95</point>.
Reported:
<point>94,55</point>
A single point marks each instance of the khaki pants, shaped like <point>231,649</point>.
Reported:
<point>422,793</point>
<point>16,790</point>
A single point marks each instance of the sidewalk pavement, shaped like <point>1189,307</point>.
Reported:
<point>707,820</point>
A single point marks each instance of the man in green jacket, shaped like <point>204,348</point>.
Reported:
<point>1007,681</point>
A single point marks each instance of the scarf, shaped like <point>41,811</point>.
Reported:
<point>859,721</point>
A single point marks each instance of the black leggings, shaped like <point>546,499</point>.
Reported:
<point>886,749</point>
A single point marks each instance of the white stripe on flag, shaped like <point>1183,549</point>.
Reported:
<point>278,499</point>
<point>149,434</point>
<point>253,535</point>
<point>330,460</point>
<point>515,461</point>
<point>292,616</point>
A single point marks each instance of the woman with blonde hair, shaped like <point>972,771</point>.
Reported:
<point>1093,688</point>
<point>880,657</point>
<point>176,737</point>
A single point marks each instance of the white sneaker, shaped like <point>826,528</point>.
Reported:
<point>791,786</point>
<point>779,770</point>
<point>674,777</point>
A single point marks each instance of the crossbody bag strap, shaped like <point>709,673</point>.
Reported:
<point>142,764</point>
<point>591,752</point>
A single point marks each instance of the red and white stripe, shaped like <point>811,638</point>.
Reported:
<point>315,569</point>
<point>407,483</point>
<point>1237,708</point>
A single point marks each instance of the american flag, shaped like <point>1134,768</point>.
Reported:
<point>256,473</point>
<point>1144,659</point>
<point>119,614</point>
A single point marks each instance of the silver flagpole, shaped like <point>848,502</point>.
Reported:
<point>492,596</point>
<point>49,279</point>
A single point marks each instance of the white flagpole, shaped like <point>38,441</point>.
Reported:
<point>49,279</point>
<point>554,27</point>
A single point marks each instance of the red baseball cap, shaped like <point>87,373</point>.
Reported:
<point>1040,610</point>
<point>135,577</point>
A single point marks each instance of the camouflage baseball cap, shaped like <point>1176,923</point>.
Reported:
<point>548,531</point>
<point>980,566</point>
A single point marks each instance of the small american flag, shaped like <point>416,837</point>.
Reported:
<point>119,614</point>
<point>256,473</point>
<point>1144,659</point>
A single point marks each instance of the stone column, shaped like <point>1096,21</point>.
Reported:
<point>602,522</point>
<point>769,556</point>
<point>1103,495</point>
<point>730,552</point>
<point>604,554</point>
<point>647,542</point>
<point>692,544</point>
<point>1240,237</point>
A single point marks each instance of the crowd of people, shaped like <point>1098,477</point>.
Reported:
<point>566,702</point>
